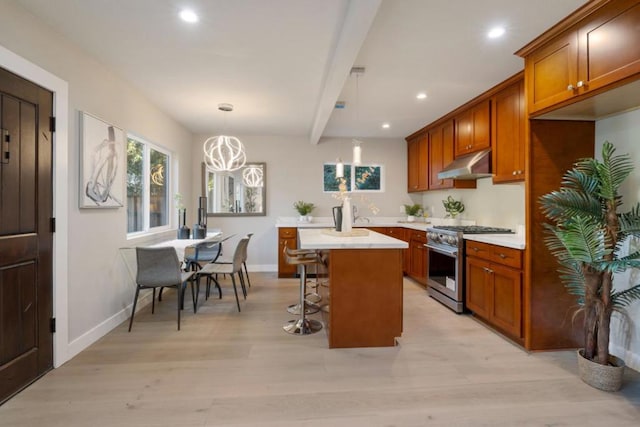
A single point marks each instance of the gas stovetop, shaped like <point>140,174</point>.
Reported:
<point>472,229</point>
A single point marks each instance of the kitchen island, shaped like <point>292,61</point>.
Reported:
<point>362,304</point>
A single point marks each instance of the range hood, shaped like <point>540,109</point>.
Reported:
<point>472,166</point>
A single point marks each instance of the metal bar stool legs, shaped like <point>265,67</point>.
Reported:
<point>302,326</point>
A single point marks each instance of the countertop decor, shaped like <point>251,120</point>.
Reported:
<point>453,207</point>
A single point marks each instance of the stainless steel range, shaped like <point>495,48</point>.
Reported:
<point>445,261</point>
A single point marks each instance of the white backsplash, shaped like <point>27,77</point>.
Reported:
<point>489,205</point>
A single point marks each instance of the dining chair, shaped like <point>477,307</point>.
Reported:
<point>198,255</point>
<point>215,268</point>
<point>223,260</point>
<point>160,268</point>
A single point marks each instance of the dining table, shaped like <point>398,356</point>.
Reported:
<point>182,247</point>
<point>186,250</point>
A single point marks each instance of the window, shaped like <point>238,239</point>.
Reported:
<point>148,185</point>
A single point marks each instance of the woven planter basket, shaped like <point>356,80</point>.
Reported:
<point>607,378</point>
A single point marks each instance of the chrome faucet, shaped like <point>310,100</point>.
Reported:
<point>357,218</point>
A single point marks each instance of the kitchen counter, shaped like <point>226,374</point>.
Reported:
<point>314,238</point>
<point>362,300</point>
<point>515,241</point>
<point>327,222</point>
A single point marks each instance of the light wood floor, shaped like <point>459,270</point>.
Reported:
<point>241,369</point>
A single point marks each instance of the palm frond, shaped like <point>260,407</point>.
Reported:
<point>583,239</point>
<point>624,298</point>
<point>630,221</point>
<point>568,203</point>
<point>613,170</point>
<point>618,265</point>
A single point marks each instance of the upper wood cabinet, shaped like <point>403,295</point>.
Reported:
<point>508,134</point>
<point>441,140</point>
<point>417,163</point>
<point>440,154</point>
<point>598,50</point>
<point>473,129</point>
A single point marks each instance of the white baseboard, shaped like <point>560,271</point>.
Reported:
<point>262,268</point>
<point>85,340</point>
<point>631,359</point>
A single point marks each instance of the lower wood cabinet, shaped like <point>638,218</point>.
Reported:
<point>494,286</point>
<point>399,233</point>
<point>287,237</point>
<point>418,256</point>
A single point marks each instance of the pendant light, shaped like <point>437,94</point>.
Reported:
<point>357,149</point>
<point>224,153</point>
<point>339,168</point>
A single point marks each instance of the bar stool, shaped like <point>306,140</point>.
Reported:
<point>302,326</point>
<point>310,299</point>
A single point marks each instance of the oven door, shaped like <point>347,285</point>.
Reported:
<point>444,276</point>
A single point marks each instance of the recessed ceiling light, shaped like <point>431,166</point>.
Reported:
<point>496,32</point>
<point>188,15</point>
<point>386,126</point>
<point>421,95</point>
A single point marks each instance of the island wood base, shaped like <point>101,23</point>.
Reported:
<point>364,296</point>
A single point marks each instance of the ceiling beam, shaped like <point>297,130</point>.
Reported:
<point>358,19</point>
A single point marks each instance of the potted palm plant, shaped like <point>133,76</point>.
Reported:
<point>586,235</point>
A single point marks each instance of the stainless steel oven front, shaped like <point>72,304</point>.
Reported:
<point>445,269</point>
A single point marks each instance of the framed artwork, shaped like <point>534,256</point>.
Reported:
<point>368,178</point>
<point>102,163</point>
<point>330,182</point>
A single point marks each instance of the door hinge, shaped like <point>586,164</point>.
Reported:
<point>52,124</point>
<point>52,325</point>
<point>52,224</point>
<point>6,152</point>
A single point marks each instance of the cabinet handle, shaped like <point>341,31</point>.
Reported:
<point>580,84</point>
<point>570,87</point>
<point>475,249</point>
<point>514,173</point>
<point>503,256</point>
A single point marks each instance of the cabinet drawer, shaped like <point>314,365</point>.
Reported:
<point>381,230</point>
<point>507,256</point>
<point>287,232</point>
<point>499,254</point>
<point>396,232</point>
<point>419,236</point>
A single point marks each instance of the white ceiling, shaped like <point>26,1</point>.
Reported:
<point>284,63</point>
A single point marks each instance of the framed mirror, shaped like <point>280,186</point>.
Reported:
<point>239,193</point>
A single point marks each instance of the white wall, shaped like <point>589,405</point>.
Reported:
<point>491,205</point>
<point>623,131</point>
<point>99,289</point>
<point>294,172</point>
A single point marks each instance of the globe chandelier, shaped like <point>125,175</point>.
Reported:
<point>224,153</point>
<point>252,176</point>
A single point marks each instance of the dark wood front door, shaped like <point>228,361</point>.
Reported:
<point>26,338</point>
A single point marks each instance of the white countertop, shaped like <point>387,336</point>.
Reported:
<point>515,241</point>
<point>313,238</point>
<point>327,222</point>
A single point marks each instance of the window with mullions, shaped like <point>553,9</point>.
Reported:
<point>147,186</point>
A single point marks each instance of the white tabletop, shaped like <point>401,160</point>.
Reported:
<point>313,238</point>
<point>182,244</point>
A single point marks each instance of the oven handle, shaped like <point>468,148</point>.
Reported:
<point>442,251</point>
